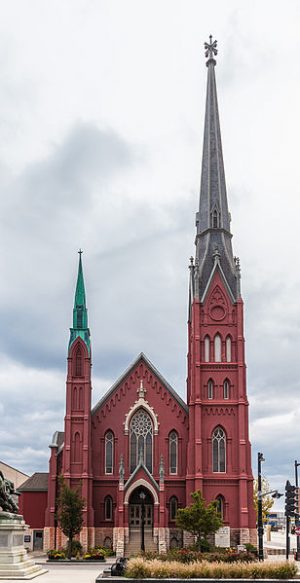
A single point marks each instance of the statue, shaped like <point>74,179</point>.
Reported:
<point>7,490</point>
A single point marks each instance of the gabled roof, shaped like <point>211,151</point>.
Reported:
<point>149,364</point>
<point>142,466</point>
<point>37,483</point>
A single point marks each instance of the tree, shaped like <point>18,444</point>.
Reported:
<point>267,501</point>
<point>69,512</point>
<point>199,518</point>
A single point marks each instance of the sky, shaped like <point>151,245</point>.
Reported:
<point>101,128</point>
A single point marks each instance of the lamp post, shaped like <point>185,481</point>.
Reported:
<point>260,528</point>
<point>297,464</point>
<point>142,497</point>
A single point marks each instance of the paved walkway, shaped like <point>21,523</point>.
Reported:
<point>65,573</point>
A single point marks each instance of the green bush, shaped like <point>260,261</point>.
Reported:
<point>188,555</point>
<point>140,568</point>
<point>94,554</point>
<point>56,554</point>
<point>76,548</point>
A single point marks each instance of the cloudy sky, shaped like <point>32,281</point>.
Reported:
<point>101,125</point>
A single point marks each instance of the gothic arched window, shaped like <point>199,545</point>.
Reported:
<point>228,349</point>
<point>108,508</point>
<point>173,452</point>
<point>206,349</point>
<point>221,505</point>
<point>215,219</point>
<point>210,389</point>
<point>76,448</point>
<point>226,387</point>
<point>218,348</point>
<point>141,433</point>
<point>78,362</point>
<point>109,452</point>
<point>219,450</point>
<point>173,508</point>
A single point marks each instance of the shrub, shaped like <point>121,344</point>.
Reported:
<point>140,568</point>
<point>94,554</point>
<point>76,548</point>
<point>188,555</point>
<point>56,554</point>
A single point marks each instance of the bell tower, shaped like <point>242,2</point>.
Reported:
<point>219,451</point>
<point>77,464</point>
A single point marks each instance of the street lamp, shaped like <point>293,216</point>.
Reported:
<point>297,464</point>
<point>260,528</point>
<point>142,497</point>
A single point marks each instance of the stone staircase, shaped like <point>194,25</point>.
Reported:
<point>133,547</point>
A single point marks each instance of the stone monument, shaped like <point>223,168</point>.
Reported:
<point>14,560</point>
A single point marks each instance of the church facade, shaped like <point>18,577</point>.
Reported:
<point>141,451</point>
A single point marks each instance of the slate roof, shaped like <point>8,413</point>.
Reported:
<point>213,198</point>
<point>38,482</point>
<point>57,439</point>
<point>126,373</point>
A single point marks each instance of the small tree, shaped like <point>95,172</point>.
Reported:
<point>69,512</point>
<point>199,518</point>
<point>267,501</point>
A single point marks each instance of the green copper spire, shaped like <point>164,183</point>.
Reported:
<point>80,318</point>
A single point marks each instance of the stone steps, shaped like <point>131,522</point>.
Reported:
<point>133,547</point>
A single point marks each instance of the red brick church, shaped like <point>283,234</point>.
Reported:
<point>142,449</point>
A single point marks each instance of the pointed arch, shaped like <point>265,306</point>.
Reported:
<point>76,448</point>
<point>147,485</point>
<point>108,508</point>
<point>221,505</point>
<point>207,348</point>
<point>141,439</point>
<point>109,452</point>
<point>226,389</point>
<point>210,389</point>
<point>173,507</point>
<point>173,452</point>
<point>218,348</point>
<point>228,348</point>
<point>219,450</point>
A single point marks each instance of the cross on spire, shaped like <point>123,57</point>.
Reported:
<point>211,50</point>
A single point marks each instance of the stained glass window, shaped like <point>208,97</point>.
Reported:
<point>108,508</point>
<point>210,389</point>
<point>173,452</point>
<point>109,452</point>
<point>141,436</point>
<point>219,450</point>
<point>173,507</point>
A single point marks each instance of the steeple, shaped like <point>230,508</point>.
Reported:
<point>213,239</point>
<point>80,318</point>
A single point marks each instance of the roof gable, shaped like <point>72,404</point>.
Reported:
<point>141,358</point>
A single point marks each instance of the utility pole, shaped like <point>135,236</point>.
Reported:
<point>297,522</point>
<point>260,527</point>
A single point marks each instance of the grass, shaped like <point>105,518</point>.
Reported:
<point>140,568</point>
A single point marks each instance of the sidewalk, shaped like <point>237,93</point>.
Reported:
<point>67,573</point>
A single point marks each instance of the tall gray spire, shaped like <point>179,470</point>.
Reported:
<point>213,240</point>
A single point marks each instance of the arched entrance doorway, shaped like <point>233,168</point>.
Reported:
<point>140,520</point>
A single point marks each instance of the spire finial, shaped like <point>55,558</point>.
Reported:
<point>80,252</point>
<point>211,50</point>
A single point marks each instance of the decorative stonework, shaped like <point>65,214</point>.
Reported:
<point>217,305</point>
<point>141,403</point>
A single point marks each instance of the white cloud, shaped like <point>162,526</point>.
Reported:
<point>101,120</point>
